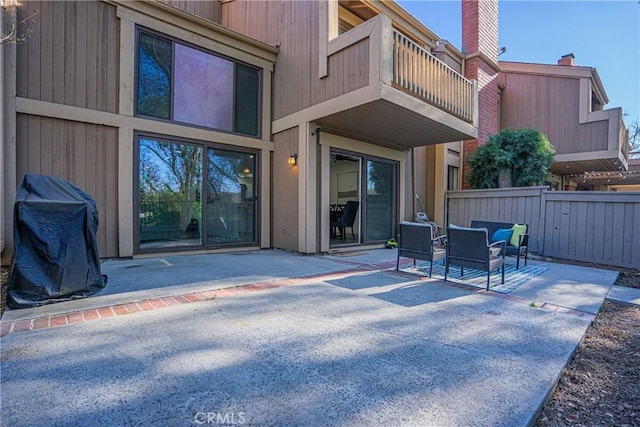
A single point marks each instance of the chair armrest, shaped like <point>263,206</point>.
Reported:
<point>502,243</point>
<point>443,238</point>
<point>499,242</point>
<point>523,237</point>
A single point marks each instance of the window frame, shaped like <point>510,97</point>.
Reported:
<point>204,145</point>
<point>173,40</point>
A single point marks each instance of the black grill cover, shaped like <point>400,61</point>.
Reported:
<point>56,252</point>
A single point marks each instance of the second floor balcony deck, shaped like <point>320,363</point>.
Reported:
<point>380,86</point>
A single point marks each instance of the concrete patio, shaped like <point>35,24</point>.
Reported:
<point>295,340</point>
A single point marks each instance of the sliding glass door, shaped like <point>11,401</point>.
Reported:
<point>380,200</point>
<point>363,198</point>
<point>187,191</point>
<point>230,197</point>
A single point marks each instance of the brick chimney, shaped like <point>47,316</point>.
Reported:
<point>480,46</point>
<point>567,60</point>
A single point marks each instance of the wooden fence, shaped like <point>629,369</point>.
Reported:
<point>599,227</point>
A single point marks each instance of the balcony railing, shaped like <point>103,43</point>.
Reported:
<point>423,75</point>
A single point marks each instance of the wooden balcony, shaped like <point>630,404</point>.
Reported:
<point>424,76</point>
<point>603,145</point>
<point>383,88</point>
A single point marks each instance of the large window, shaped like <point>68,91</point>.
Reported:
<point>194,195</point>
<point>180,83</point>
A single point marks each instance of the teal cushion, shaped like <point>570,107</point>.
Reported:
<point>502,234</point>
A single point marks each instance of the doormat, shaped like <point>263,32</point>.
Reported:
<point>513,278</point>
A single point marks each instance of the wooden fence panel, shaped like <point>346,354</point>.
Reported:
<point>517,205</point>
<point>597,227</point>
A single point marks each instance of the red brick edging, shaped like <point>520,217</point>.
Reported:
<point>158,303</point>
<point>36,323</point>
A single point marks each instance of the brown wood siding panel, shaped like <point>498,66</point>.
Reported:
<point>58,67</point>
<point>551,104</point>
<point>69,53</point>
<point>80,55</point>
<point>294,26</point>
<point>207,9</point>
<point>83,154</point>
<point>34,67</point>
<point>71,56</point>
<point>285,199</point>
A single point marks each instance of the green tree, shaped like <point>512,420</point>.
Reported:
<point>523,155</point>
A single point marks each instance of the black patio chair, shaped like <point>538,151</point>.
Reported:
<point>346,219</point>
<point>469,247</point>
<point>415,241</point>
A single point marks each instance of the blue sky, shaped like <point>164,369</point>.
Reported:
<point>601,34</point>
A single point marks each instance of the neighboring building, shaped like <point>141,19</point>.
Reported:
<point>566,102</point>
<point>238,125</point>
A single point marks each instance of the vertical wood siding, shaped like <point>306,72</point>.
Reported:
<point>551,105</point>
<point>285,199</point>
<point>83,154</point>
<point>206,9</point>
<point>293,26</point>
<point>597,227</point>
<point>71,56</point>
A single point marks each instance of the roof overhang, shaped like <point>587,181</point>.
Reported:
<point>601,171</point>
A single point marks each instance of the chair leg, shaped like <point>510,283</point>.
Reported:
<point>446,269</point>
<point>488,278</point>
<point>431,267</point>
<point>398,261</point>
<point>503,272</point>
<point>518,261</point>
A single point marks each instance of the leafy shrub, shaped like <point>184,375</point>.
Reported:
<point>526,154</point>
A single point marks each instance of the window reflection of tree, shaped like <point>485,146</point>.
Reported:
<point>172,172</point>
<point>154,76</point>
<point>224,172</point>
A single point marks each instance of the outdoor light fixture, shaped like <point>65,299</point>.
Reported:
<point>293,159</point>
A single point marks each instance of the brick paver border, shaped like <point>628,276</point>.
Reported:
<point>36,323</point>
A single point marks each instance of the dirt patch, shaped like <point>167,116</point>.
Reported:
<point>629,278</point>
<point>600,384</point>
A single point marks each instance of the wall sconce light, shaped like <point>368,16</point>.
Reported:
<point>293,159</point>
